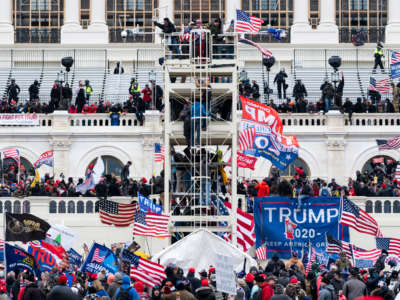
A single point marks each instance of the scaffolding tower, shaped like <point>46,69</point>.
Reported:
<point>200,131</point>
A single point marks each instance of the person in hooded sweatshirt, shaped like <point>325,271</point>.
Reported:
<point>195,283</point>
<point>115,285</point>
<point>31,291</point>
<point>126,286</point>
<point>61,291</point>
<point>327,291</point>
<point>204,292</point>
<point>275,265</point>
<point>294,260</point>
<point>279,293</point>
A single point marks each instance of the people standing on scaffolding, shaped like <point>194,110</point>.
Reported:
<point>168,28</point>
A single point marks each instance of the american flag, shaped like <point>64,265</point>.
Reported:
<point>263,51</point>
<point>246,237</point>
<point>247,23</point>
<point>97,257</point>
<point>158,152</point>
<point>185,36</point>
<point>395,57</point>
<point>261,253</point>
<point>117,214</point>
<point>381,86</point>
<point>365,258</point>
<point>1,250</point>
<point>335,246</point>
<point>389,244</point>
<point>358,219</point>
<point>246,139</point>
<point>146,271</point>
<point>310,259</point>
<point>389,144</point>
<point>150,224</point>
<point>11,153</point>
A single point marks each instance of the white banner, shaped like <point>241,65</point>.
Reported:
<point>19,119</point>
<point>225,275</point>
<point>62,235</point>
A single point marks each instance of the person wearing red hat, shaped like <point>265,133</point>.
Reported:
<point>195,283</point>
<point>61,291</point>
<point>204,292</point>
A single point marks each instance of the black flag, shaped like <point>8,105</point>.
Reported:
<point>25,227</point>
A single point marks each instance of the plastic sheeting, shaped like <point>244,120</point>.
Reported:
<point>198,249</point>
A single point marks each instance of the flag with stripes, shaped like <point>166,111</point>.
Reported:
<point>158,152</point>
<point>246,237</point>
<point>98,256</point>
<point>247,23</point>
<point>1,249</point>
<point>381,86</point>
<point>117,214</point>
<point>11,152</point>
<point>358,219</point>
<point>246,139</point>
<point>389,144</point>
<point>365,258</point>
<point>261,253</point>
<point>395,57</point>
<point>391,245</point>
<point>146,271</point>
<point>151,224</point>
<point>263,51</point>
<point>185,35</point>
<point>311,258</point>
<point>334,246</point>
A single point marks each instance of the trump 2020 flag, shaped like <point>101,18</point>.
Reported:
<point>74,258</point>
<point>99,258</point>
<point>17,259</point>
<point>25,227</point>
<point>269,141</point>
<point>45,158</point>
<point>45,259</point>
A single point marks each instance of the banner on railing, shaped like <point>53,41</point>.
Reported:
<point>284,227</point>
<point>19,119</point>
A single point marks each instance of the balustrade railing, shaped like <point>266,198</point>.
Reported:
<point>378,205</point>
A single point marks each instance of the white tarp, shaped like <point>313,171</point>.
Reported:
<point>198,250</point>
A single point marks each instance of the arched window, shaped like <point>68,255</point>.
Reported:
<point>8,206</point>
<point>387,207</point>
<point>17,207</point>
<point>291,170</point>
<point>368,206</point>
<point>61,207</point>
<point>53,207</point>
<point>1,207</point>
<point>396,207</point>
<point>26,165</point>
<point>112,165</point>
<point>96,206</point>
<point>71,207</point>
<point>379,159</point>
<point>26,206</point>
<point>89,207</point>
<point>80,207</point>
<point>378,207</point>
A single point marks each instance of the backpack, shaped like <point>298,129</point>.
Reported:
<point>258,295</point>
<point>123,294</point>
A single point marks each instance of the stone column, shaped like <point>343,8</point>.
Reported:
<point>335,146</point>
<point>98,28</point>
<point>393,27</point>
<point>301,29</point>
<point>61,146</point>
<point>165,10</point>
<point>327,25</point>
<point>71,29</point>
<point>6,27</point>
<point>230,11</point>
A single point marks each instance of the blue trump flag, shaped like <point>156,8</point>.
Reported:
<point>147,205</point>
<point>18,259</point>
<point>45,259</point>
<point>283,229</point>
<point>394,64</point>
<point>99,258</point>
<point>74,258</point>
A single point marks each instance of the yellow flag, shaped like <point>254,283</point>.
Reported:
<point>36,179</point>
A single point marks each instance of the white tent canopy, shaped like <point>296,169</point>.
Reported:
<point>198,249</point>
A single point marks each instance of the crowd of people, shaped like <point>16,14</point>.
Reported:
<point>317,280</point>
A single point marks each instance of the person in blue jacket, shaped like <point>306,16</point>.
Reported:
<point>126,287</point>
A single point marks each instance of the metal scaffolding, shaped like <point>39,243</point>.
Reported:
<point>201,79</point>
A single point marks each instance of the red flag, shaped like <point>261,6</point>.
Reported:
<point>244,161</point>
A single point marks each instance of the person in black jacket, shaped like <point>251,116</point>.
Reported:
<point>101,190</point>
<point>34,91</point>
<point>299,90</point>
<point>80,100</point>
<point>125,176</point>
<point>32,291</point>
<point>275,265</point>
<point>61,291</point>
<point>13,91</point>
<point>66,97</point>
<point>168,28</point>
<point>280,79</point>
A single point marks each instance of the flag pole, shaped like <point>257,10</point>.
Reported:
<point>147,243</point>
<point>340,215</point>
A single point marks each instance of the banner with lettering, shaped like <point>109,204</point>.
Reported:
<point>19,119</point>
<point>44,258</point>
<point>147,205</point>
<point>284,229</point>
<point>99,258</point>
<point>17,259</point>
<point>74,258</point>
<point>269,141</point>
<point>244,161</point>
